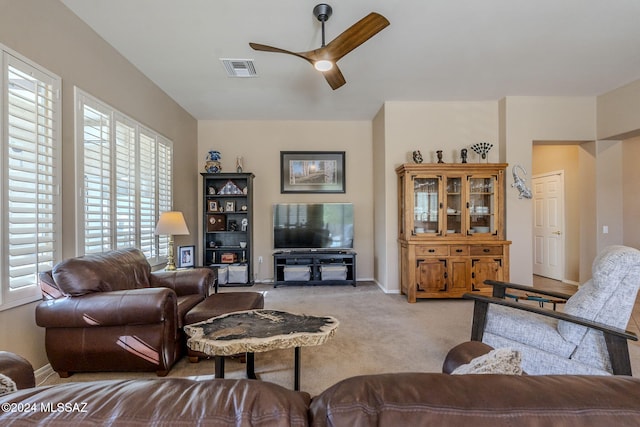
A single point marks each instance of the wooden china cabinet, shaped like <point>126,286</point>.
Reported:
<point>451,228</point>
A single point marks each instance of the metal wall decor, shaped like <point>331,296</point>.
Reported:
<point>520,184</point>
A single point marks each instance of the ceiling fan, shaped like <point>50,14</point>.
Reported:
<point>324,58</point>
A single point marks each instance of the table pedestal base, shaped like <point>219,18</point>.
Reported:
<point>251,373</point>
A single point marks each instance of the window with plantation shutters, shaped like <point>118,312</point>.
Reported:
<point>124,171</point>
<point>29,200</point>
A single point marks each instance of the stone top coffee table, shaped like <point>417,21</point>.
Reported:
<point>255,331</point>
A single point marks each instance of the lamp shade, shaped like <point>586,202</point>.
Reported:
<point>171,223</point>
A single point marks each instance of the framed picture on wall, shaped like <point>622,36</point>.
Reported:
<point>312,171</point>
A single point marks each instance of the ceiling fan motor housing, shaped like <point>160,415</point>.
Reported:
<point>322,11</point>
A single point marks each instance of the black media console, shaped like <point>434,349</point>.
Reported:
<point>314,267</point>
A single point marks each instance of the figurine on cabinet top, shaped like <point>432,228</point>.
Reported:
<point>463,155</point>
<point>417,156</point>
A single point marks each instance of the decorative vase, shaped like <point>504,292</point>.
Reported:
<point>213,162</point>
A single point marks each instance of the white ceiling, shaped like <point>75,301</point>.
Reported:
<point>434,50</point>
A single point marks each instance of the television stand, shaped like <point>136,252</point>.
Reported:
<point>314,267</point>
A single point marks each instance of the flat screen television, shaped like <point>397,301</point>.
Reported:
<point>300,226</point>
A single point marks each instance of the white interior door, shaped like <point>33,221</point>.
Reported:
<point>548,225</point>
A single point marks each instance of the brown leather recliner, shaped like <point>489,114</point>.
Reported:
<point>109,312</point>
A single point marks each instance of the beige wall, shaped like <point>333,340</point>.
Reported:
<point>529,119</point>
<point>425,126</point>
<point>618,109</point>
<point>260,143</point>
<point>630,190</point>
<point>609,193</point>
<point>558,157</point>
<point>47,33</point>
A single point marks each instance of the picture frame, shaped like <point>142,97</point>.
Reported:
<point>212,206</point>
<point>186,256</point>
<point>230,206</point>
<point>312,172</point>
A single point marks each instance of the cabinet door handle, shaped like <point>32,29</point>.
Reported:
<point>486,250</point>
<point>431,250</point>
<point>458,250</point>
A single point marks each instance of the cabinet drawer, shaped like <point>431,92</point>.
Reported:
<point>459,250</point>
<point>486,250</point>
<point>435,250</point>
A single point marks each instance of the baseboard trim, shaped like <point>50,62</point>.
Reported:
<point>385,290</point>
<point>43,373</point>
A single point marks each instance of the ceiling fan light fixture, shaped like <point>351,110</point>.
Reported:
<point>323,65</point>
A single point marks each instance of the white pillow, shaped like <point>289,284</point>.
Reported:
<point>499,361</point>
<point>7,385</point>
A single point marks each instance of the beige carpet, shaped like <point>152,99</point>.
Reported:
<point>377,333</point>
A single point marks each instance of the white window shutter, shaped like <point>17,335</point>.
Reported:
<point>127,173</point>
<point>30,197</point>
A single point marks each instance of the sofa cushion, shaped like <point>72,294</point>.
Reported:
<point>609,296</point>
<point>161,402</point>
<point>524,327</point>
<point>112,271</point>
<point>429,399</point>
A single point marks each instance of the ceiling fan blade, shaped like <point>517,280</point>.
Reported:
<point>334,77</point>
<point>265,48</point>
<point>355,35</point>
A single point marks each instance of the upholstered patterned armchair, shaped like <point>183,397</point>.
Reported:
<point>588,337</point>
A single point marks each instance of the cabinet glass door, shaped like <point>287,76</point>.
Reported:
<point>482,206</point>
<point>425,205</point>
<point>454,205</point>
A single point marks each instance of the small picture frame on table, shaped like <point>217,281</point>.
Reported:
<point>186,256</point>
<point>230,206</point>
<point>212,206</point>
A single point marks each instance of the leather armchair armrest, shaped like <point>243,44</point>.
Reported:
<point>18,369</point>
<point>185,282</point>
<point>129,307</point>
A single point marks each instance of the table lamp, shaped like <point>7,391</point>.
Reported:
<point>171,224</point>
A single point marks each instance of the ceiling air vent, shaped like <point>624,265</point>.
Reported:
<point>239,67</point>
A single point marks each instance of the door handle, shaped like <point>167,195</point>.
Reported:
<point>556,232</point>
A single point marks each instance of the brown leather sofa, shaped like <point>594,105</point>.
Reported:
<point>400,399</point>
<point>109,312</point>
